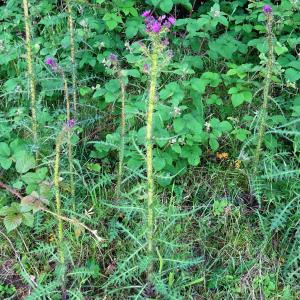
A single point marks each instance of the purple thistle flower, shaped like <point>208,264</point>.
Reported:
<point>71,123</point>
<point>172,20</point>
<point>156,27</point>
<point>267,9</point>
<point>50,61</point>
<point>113,58</point>
<point>146,13</point>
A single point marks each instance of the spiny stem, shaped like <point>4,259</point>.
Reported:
<point>72,45</point>
<point>266,92</point>
<point>70,150</point>
<point>31,78</point>
<point>149,148</point>
<point>123,131</point>
<point>59,142</point>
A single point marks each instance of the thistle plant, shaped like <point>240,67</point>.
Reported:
<point>59,141</point>
<point>156,28</point>
<point>56,68</point>
<point>114,63</point>
<point>267,9</point>
<point>31,77</point>
<point>72,45</point>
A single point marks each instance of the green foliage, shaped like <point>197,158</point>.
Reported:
<point>221,232</point>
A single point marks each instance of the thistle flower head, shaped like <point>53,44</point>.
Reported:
<point>156,27</point>
<point>51,62</point>
<point>71,123</point>
<point>113,58</point>
<point>146,13</point>
<point>267,9</point>
<point>172,20</point>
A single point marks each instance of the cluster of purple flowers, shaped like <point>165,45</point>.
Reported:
<point>156,25</point>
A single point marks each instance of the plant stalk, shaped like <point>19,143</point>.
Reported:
<point>70,148</point>
<point>72,45</point>
<point>123,132</point>
<point>266,92</point>
<point>31,77</point>
<point>149,149</point>
<point>59,142</point>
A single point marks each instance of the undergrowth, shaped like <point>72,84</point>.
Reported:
<point>149,149</point>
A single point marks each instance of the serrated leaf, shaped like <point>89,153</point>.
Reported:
<point>12,221</point>
<point>28,219</point>
<point>24,161</point>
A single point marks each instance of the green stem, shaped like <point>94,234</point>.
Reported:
<point>122,142</point>
<point>31,78</point>
<point>266,92</point>
<point>149,148</point>
<point>59,142</point>
<point>70,150</point>
<point>72,45</point>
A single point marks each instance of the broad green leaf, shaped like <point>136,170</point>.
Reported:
<point>166,5</point>
<point>280,49</point>
<point>159,163</point>
<point>4,150</point>
<point>213,143</point>
<point>5,163</point>
<point>292,75</point>
<point>198,85</point>
<point>179,125</point>
<point>241,134</point>
<point>35,177</point>
<point>24,161</point>
<point>113,85</point>
<point>12,221</point>
<point>28,219</point>
<point>237,99</point>
<point>225,126</point>
<point>173,91</point>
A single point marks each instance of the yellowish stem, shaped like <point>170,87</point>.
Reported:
<point>266,92</point>
<point>32,91</point>
<point>72,45</point>
<point>122,143</point>
<point>59,142</point>
<point>149,148</point>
